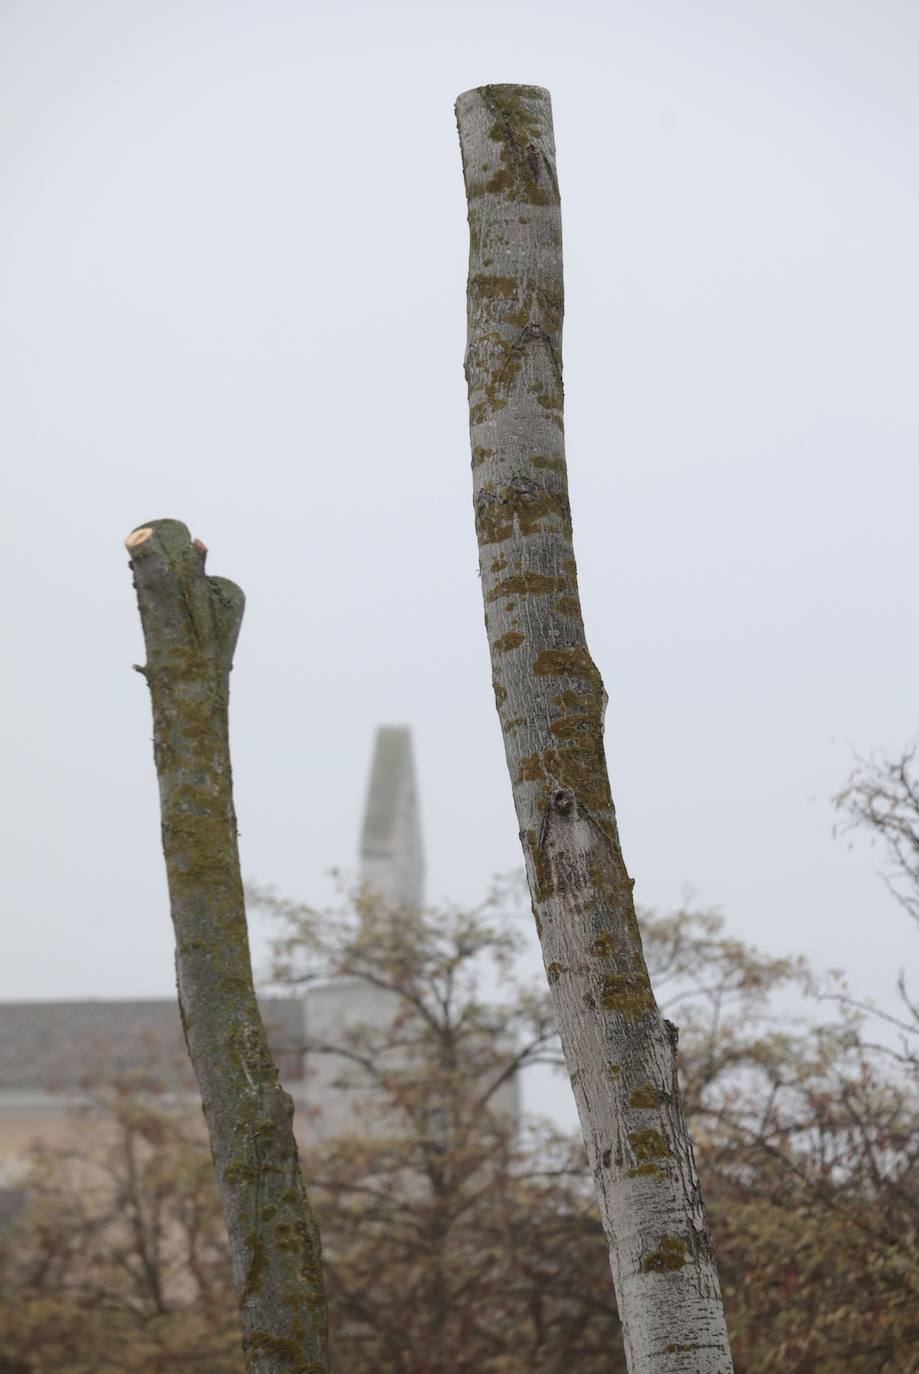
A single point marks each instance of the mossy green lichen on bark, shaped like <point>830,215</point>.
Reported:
<point>669,1257</point>
<point>239,1171</point>
<point>574,727</point>
<point>551,400</point>
<point>549,463</point>
<point>261,1345</point>
<point>525,174</point>
<point>576,765</point>
<point>539,317</point>
<point>526,584</point>
<point>486,286</point>
<point>572,661</point>
<point>522,509</point>
<point>576,760</point>
<point>257,1265</point>
<point>517,326</point>
<point>646,1097</point>
<point>629,994</point>
<point>647,1170</point>
<point>504,643</point>
<point>648,1144</point>
<point>541,866</point>
<point>581,890</point>
<point>190,624</point>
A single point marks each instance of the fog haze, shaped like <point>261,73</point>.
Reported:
<point>232,261</point>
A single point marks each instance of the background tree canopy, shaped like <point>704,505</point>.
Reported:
<point>454,1243</point>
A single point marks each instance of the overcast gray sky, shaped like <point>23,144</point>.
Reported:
<point>233,257</point>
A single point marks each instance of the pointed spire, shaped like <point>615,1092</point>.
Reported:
<point>392,853</point>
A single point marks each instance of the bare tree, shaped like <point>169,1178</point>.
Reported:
<point>458,1238</point>
<point>620,1053</point>
<point>455,1241</point>
<point>191,623</point>
<point>881,799</point>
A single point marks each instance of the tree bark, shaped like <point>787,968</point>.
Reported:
<point>191,623</point>
<point>620,1053</point>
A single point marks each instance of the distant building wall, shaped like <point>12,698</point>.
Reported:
<point>52,1054</point>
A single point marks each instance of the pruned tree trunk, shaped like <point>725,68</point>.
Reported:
<point>191,623</point>
<point>620,1053</point>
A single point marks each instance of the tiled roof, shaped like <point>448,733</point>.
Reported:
<point>69,1046</point>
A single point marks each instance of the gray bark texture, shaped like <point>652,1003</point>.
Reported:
<point>191,623</point>
<point>620,1053</point>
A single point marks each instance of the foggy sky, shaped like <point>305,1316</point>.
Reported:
<point>233,256</point>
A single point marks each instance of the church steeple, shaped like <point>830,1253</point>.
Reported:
<point>392,853</point>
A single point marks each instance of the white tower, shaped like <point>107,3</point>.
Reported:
<point>392,854</point>
<point>392,867</point>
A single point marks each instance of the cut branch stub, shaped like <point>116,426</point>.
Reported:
<point>191,624</point>
<point>551,704</point>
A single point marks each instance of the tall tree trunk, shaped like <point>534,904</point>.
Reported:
<point>621,1054</point>
<point>191,623</point>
